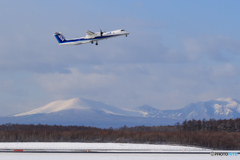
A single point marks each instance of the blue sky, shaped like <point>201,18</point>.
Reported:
<point>178,52</point>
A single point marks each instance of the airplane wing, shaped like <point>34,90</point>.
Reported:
<point>89,33</point>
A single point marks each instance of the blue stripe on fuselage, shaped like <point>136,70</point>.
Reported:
<point>83,39</point>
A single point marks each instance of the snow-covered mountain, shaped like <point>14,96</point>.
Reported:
<point>222,108</point>
<point>83,105</point>
<point>78,111</point>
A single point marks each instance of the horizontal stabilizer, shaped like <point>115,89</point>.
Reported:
<point>90,33</point>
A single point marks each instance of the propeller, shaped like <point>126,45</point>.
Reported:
<point>101,33</point>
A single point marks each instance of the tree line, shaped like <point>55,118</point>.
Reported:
<point>217,134</point>
<point>230,125</point>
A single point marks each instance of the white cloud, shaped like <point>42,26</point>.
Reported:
<point>129,85</point>
<point>217,48</point>
<point>74,81</point>
<point>226,70</point>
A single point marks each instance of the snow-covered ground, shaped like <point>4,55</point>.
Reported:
<point>138,150</point>
<point>105,156</point>
<point>95,146</point>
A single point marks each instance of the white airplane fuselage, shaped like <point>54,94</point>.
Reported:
<point>91,37</point>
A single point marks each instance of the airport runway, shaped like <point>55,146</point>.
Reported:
<point>113,156</point>
<point>105,151</point>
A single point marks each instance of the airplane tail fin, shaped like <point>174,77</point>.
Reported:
<point>60,38</point>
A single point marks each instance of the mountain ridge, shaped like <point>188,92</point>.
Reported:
<point>79,111</point>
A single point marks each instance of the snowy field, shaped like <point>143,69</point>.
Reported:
<point>96,147</point>
<point>105,156</point>
<point>124,152</point>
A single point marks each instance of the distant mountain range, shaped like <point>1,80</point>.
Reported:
<point>78,111</point>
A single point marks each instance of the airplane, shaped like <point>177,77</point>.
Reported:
<point>91,37</point>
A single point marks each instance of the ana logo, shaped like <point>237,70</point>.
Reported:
<point>61,37</point>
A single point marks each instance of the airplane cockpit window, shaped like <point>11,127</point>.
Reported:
<point>122,30</point>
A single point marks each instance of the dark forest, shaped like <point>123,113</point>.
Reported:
<point>215,134</point>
